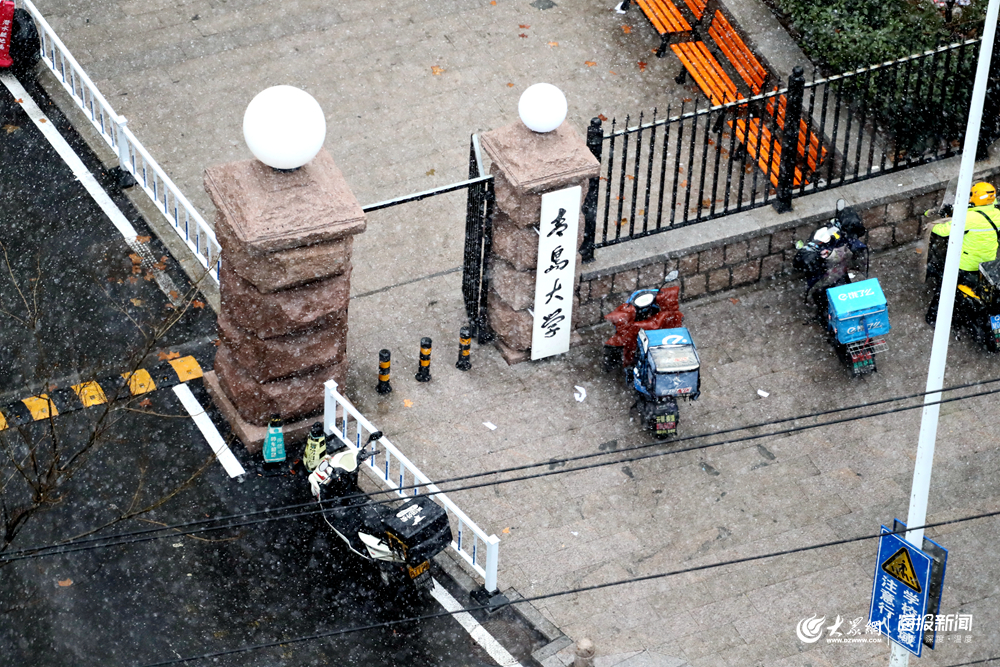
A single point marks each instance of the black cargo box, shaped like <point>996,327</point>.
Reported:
<point>421,525</point>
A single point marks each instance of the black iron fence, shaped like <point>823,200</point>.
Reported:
<point>704,164</point>
<point>478,238</point>
<point>893,116</point>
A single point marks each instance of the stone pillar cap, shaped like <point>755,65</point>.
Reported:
<point>540,162</point>
<point>270,210</point>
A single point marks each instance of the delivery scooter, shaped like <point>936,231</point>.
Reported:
<point>399,538</point>
<point>660,359</point>
<point>977,306</point>
<point>855,314</point>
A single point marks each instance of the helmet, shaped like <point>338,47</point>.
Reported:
<point>983,194</point>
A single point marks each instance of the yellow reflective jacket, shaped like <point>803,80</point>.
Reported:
<point>980,243</point>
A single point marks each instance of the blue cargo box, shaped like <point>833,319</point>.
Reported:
<point>857,311</point>
<point>669,363</point>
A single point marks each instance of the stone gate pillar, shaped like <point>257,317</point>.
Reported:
<point>285,284</point>
<point>526,165</point>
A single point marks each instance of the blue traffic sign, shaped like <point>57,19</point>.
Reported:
<point>900,591</point>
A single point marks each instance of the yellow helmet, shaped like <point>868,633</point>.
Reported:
<point>983,194</point>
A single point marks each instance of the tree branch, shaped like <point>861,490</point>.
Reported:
<point>132,513</point>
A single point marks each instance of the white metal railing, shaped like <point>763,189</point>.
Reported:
<point>132,156</point>
<point>394,471</point>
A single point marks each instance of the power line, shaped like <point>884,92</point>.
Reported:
<point>145,535</point>
<point>581,457</point>
<point>73,547</point>
<point>735,429</point>
<point>582,589</point>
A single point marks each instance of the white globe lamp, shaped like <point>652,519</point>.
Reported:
<point>542,107</point>
<point>284,127</point>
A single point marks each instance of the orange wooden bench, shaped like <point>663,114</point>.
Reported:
<point>816,154</point>
<point>706,72</point>
<point>735,49</point>
<point>697,7</point>
<point>666,19</point>
<point>720,89</point>
<point>757,140</point>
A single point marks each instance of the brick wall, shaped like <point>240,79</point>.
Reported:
<point>745,261</point>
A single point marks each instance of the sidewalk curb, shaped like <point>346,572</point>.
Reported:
<point>555,638</point>
<point>152,216</point>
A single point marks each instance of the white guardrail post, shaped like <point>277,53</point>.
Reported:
<point>485,564</point>
<point>492,560</point>
<point>132,156</point>
<point>121,146</point>
<point>329,405</point>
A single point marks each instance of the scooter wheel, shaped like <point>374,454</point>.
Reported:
<point>612,360</point>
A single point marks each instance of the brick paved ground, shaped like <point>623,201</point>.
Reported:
<point>720,503</point>
<point>396,127</point>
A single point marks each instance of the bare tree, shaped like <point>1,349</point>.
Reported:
<point>38,460</point>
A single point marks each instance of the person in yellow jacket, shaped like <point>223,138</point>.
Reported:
<point>982,238</point>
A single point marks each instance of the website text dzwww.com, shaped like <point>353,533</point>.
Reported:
<point>854,640</point>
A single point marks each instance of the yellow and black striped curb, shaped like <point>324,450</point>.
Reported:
<point>168,373</point>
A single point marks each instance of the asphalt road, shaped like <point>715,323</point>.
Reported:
<point>75,309</point>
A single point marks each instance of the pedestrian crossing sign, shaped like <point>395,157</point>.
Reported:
<point>900,567</point>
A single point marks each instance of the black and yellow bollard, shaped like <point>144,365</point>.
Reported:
<point>383,386</point>
<point>464,343</point>
<point>424,372</point>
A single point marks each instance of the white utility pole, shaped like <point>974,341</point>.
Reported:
<point>917,515</point>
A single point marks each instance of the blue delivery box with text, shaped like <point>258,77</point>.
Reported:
<point>857,311</point>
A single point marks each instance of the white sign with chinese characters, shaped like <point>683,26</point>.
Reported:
<point>556,271</point>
